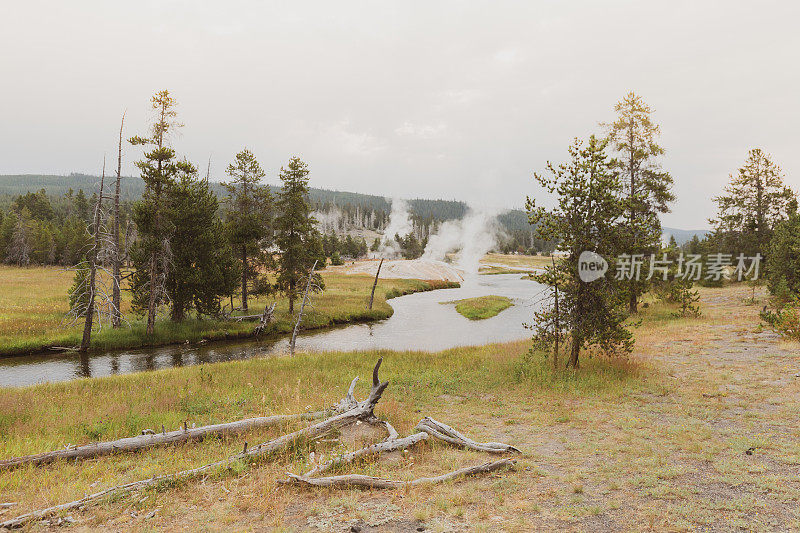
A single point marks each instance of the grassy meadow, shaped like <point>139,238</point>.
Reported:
<point>481,307</point>
<point>33,302</point>
<point>697,429</point>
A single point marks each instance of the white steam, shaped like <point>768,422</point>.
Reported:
<point>472,237</point>
<point>328,221</point>
<point>399,224</point>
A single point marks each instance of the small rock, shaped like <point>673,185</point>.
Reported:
<point>420,528</point>
<point>355,529</point>
<point>749,451</point>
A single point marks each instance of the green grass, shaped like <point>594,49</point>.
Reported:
<point>50,416</point>
<point>481,307</point>
<point>33,302</point>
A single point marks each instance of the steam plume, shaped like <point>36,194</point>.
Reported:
<point>472,237</point>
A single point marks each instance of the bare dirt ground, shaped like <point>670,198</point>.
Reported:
<point>425,269</point>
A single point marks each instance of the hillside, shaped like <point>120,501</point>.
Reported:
<point>423,210</point>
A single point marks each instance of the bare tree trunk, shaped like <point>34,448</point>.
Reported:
<point>116,312</point>
<point>575,350</point>
<point>358,480</point>
<point>151,439</point>
<point>375,284</point>
<point>302,307</point>
<point>151,303</point>
<point>87,325</point>
<point>244,277</point>
<point>557,325</point>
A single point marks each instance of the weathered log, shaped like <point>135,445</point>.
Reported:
<point>358,480</point>
<point>362,411</point>
<point>150,439</point>
<point>374,449</point>
<point>448,434</point>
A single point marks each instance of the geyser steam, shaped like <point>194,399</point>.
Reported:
<point>472,237</point>
<point>399,224</point>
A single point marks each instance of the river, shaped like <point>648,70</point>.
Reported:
<point>420,322</point>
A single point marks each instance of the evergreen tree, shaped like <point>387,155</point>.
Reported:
<point>38,205</point>
<point>783,258</point>
<point>81,207</point>
<point>202,268</point>
<point>18,250</point>
<point>151,252</point>
<point>755,200</point>
<point>249,217</point>
<point>647,189</point>
<point>586,219</point>
<point>295,229</point>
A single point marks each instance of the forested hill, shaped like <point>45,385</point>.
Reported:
<point>132,188</point>
<point>425,212</point>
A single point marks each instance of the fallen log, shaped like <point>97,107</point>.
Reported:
<point>150,439</point>
<point>358,480</point>
<point>361,411</point>
<point>448,434</point>
<point>375,449</point>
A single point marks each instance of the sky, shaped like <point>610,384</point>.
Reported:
<point>431,99</point>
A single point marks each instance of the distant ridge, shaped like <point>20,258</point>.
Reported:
<point>133,187</point>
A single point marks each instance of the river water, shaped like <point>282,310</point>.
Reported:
<point>420,322</point>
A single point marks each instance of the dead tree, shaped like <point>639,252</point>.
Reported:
<point>266,318</point>
<point>356,411</point>
<point>311,287</point>
<point>348,411</point>
<point>87,325</point>
<point>152,439</point>
<point>116,270</point>
<point>375,284</point>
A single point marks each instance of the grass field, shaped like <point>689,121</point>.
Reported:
<point>33,302</point>
<point>481,307</point>
<point>656,441</point>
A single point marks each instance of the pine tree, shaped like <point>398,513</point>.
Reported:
<point>755,200</point>
<point>647,189</point>
<point>202,268</point>
<point>295,229</point>
<point>249,218</point>
<point>783,258</point>
<point>82,206</point>
<point>18,250</point>
<point>159,170</point>
<point>586,219</point>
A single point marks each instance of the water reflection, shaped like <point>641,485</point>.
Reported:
<point>420,322</point>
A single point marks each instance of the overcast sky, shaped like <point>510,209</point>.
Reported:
<point>456,100</point>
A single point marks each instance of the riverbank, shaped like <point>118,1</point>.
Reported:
<point>697,429</point>
<point>33,303</point>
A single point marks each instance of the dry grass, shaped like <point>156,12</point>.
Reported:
<point>33,302</point>
<point>654,442</point>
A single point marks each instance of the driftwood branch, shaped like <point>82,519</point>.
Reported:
<point>375,449</point>
<point>358,480</point>
<point>151,439</point>
<point>362,411</point>
<point>446,433</point>
<point>266,318</point>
